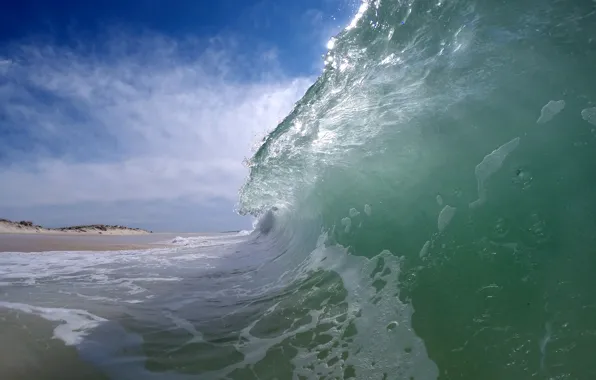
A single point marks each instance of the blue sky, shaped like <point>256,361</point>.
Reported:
<point>141,112</point>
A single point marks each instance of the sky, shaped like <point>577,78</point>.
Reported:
<point>141,112</point>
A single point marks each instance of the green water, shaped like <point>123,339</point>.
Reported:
<point>413,101</point>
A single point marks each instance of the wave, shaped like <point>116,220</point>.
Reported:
<point>98,341</point>
<point>455,136</point>
<point>74,324</point>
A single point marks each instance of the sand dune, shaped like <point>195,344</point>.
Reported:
<point>26,227</point>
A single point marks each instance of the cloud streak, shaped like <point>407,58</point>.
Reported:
<point>135,119</point>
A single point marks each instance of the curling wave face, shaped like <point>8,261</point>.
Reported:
<point>459,137</point>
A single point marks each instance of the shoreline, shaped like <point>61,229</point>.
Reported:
<point>34,353</point>
<point>29,243</point>
<point>26,237</point>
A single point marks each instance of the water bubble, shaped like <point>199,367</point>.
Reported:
<point>353,212</point>
<point>391,33</point>
<point>538,228</point>
<point>347,222</point>
<point>331,44</point>
<point>501,228</point>
<point>589,115</point>
<point>445,217</point>
<point>549,111</point>
<point>489,165</point>
<point>424,249</point>
<point>522,177</point>
<point>392,325</point>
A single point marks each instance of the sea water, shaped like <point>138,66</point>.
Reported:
<point>426,211</point>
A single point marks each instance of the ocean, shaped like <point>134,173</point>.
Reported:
<point>426,211</point>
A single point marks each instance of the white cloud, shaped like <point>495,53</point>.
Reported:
<point>146,119</point>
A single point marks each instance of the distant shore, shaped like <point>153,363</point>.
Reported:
<point>25,236</point>
<point>27,227</point>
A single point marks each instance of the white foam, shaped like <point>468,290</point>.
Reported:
<point>363,7</point>
<point>445,217</point>
<point>134,301</point>
<point>544,342</point>
<point>385,341</point>
<point>424,250</point>
<point>353,212</point>
<point>207,241</point>
<point>372,337</point>
<point>331,43</point>
<point>75,324</point>
<point>178,240</point>
<point>589,115</point>
<point>182,323</point>
<point>367,209</point>
<point>550,110</point>
<point>489,165</point>
<point>347,222</point>
<point>90,269</point>
<point>92,298</point>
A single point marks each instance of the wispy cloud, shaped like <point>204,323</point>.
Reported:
<point>135,119</point>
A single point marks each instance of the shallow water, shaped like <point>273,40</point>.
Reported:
<point>426,211</point>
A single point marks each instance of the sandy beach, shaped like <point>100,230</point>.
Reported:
<point>29,351</point>
<point>67,242</point>
<point>28,237</point>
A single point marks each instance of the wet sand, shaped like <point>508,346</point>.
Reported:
<point>57,242</point>
<point>29,352</point>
